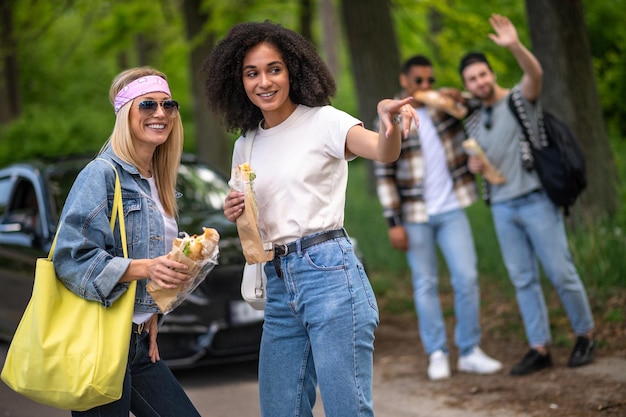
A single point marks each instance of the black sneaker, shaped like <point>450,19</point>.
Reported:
<point>532,362</point>
<point>582,353</point>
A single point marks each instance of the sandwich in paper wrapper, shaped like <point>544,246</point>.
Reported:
<point>490,172</point>
<point>254,250</point>
<point>442,102</point>
<point>199,253</point>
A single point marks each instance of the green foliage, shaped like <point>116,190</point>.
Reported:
<point>598,246</point>
<point>46,132</point>
<point>228,13</point>
<point>445,31</point>
<point>607,38</point>
<point>68,58</point>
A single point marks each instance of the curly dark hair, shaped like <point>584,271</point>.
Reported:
<point>310,81</point>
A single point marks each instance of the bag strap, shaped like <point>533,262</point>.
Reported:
<point>516,106</point>
<point>117,214</point>
<point>248,141</point>
<point>118,208</point>
<point>258,287</point>
<point>54,243</point>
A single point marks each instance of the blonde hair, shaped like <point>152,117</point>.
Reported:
<point>166,157</point>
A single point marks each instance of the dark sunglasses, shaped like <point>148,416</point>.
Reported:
<point>487,122</point>
<point>148,107</point>
<point>419,80</point>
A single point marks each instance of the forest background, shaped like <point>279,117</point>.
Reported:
<point>57,60</point>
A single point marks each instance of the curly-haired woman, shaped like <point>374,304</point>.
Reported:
<point>269,84</point>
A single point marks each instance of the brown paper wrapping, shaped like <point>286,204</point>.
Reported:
<point>248,229</point>
<point>439,101</point>
<point>491,173</point>
<point>169,298</point>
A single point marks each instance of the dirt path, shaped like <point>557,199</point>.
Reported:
<point>403,389</point>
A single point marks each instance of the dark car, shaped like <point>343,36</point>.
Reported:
<point>213,325</point>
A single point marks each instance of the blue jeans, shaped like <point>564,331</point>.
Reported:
<point>150,389</point>
<point>319,326</point>
<point>452,233</point>
<point>531,227</point>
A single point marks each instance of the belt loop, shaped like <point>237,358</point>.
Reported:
<point>299,247</point>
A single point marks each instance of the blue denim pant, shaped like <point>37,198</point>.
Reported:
<point>452,233</point>
<point>319,326</point>
<point>150,389</point>
<point>531,227</point>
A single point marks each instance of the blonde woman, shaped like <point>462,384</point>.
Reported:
<point>145,149</point>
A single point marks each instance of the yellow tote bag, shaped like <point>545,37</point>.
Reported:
<point>68,352</point>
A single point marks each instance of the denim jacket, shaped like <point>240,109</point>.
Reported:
<point>89,258</point>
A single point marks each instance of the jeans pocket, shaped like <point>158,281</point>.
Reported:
<point>327,256</point>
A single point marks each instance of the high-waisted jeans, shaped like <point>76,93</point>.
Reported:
<point>319,326</point>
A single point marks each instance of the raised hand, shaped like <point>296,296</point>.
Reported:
<point>506,34</point>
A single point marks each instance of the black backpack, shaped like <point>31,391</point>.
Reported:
<point>556,154</point>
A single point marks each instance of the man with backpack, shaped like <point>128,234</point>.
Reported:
<point>528,224</point>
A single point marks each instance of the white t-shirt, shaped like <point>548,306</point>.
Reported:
<point>301,172</point>
<point>438,191</point>
<point>171,228</point>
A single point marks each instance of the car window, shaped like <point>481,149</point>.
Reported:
<point>23,208</point>
<point>201,188</point>
<point>5,187</point>
<point>60,182</point>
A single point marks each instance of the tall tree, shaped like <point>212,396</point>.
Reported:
<point>330,33</point>
<point>560,42</point>
<point>212,143</point>
<point>373,52</point>
<point>374,56</point>
<point>306,18</point>
<point>10,96</point>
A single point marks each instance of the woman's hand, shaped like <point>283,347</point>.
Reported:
<point>152,326</point>
<point>388,109</point>
<point>233,206</point>
<point>167,273</point>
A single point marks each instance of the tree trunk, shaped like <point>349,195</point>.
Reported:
<point>10,93</point>
<point>212,144</point>
<point>330,34</point>
<point>373,53</point>
<point>374,56</point>
<point>560,42</point>
<point>306,19</point>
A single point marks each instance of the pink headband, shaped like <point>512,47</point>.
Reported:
<point>139,87</point>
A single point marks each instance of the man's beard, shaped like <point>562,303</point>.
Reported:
<point>489,95</point>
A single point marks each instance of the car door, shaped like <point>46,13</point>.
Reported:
<point>20,245</point>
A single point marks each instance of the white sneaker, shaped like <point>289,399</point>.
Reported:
<point>438,367</point>
<point>478,362</point>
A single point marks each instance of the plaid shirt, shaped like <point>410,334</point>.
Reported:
<point>400,184</point>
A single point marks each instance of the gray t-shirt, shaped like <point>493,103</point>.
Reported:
<point>501,145</point>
